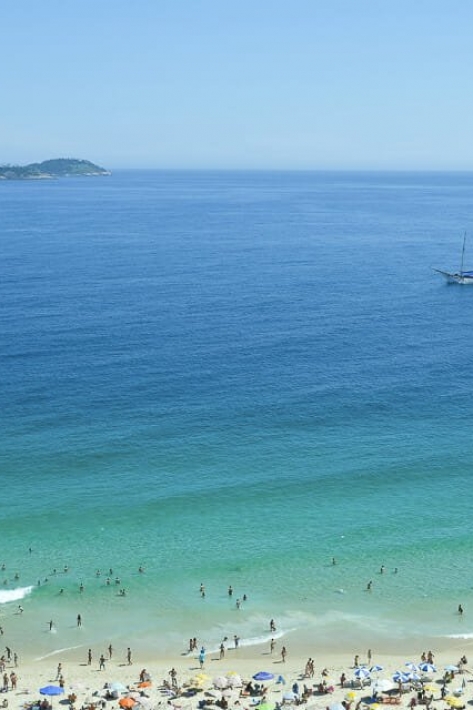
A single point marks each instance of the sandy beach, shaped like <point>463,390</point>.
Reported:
<point>88,682</point>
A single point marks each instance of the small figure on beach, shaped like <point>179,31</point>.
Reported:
<point>15,660</point>
<point>79,620</point>
<point>272,625</point>
<point>272,645</point>
<point>59,671</point>
<point>369,585</point>
<point>141,569</point>
<point>356,661</point>
<point>222,651</point>
<point>382,568</point>
<point>202,591</point>
<point>81,588</point>
<point>460,609</point>
<point>369,656</point>
<point>20,609</point>
<point>173,674</point>
<point>236,640</point>
<point>230,590</point>
<point>89,657</point>
<point>238,603</point>
<point>128,656</point>
<point>51,625</point>
<point>202,657</point>
<point>102,663</point>
<point>110,651</point>
<point>342,680</point>
<point>283,654</point>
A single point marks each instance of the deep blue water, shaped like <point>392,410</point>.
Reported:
<point>231,378</point>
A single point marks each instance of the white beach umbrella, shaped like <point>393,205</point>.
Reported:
<point>220,682</point>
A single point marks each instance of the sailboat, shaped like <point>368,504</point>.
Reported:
<point>458,277</point>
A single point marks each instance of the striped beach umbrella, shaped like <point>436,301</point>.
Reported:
<point>401,677</point>
<point>361,673</point>
<point>427,668</point>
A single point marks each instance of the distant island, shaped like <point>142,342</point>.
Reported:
<point>50,169</point>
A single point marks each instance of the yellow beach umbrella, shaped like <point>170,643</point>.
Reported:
<point>454,702</point>
<point>350,696</point>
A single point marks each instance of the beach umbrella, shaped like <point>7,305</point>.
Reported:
<point>411,666</point>
<point>51,690</point>
<point>220,682</point>
<point>263,675</point>
<point>401,677</point>
<point>350,696</point>
<point>145,684</point>
<point>361,673</point>
<point>413,676</point>
<point>452,668</point>
<point>127,702</point>
<point>376,669</point>
<point>427,668</point>
<point>454,702</point>
<point>382,686</point>
<point>234,680</point>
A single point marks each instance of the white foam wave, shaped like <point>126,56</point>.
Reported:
<point>58,650</point>
<point>459,636</point>
<point>14,595</point>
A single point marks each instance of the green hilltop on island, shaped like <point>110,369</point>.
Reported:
<point>49,169</point>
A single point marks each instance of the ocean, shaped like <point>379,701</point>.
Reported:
<point>235,378</point>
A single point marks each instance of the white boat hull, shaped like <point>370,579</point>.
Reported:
<point>462,279</point>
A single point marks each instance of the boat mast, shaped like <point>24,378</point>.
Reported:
<point>463,254</point>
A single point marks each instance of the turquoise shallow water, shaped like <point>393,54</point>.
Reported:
<point>231,378</point>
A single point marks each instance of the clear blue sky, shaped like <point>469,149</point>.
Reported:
<point>311,84</point>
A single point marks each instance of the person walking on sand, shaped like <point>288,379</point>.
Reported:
<point>128,656</point>
<point>59,671</point>
<point>272,645</point>
<point>283,654</point>
<point>79,620</point>
<point>460,609</point>
<point>89,657</point>
<point>272,625</point>
<point>102,663</point>
<point>202,657</point>
<point>110,652</point>
<point>222,651</point>
<point>369,656</point>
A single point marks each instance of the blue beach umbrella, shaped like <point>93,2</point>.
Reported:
<point>451,668</point>
<point>263,675</point>
<point>51,690</point>
<point>376,669</point>
<point>427,668</point>
<point>362,673</point>
<point>411,666</point>
<point>401,677</point>
<point>413,675</point>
